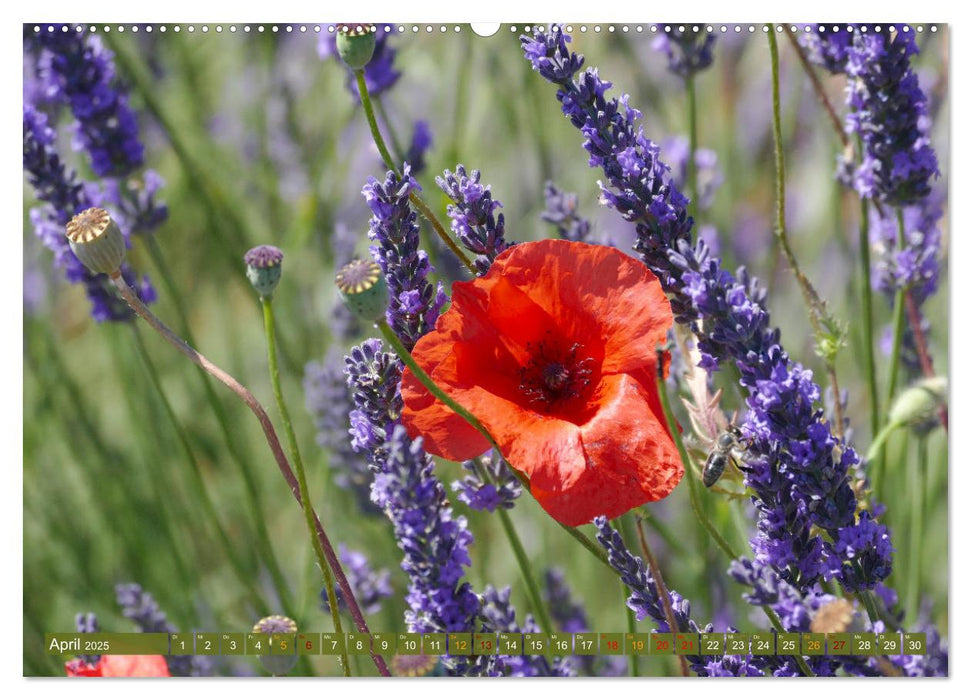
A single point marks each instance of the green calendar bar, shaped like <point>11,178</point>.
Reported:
<point>131,643</point>
<point>70,644</point>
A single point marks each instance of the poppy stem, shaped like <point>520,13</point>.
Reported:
<point>389,162</point>
<point>437,392</point>
<point>269,327</point>
<point>271,438</point>
<point>517,548</point>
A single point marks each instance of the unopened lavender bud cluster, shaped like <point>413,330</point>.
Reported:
<point>473,215</point>
<point>688,51</point>
<point>500,615</point>
<point>370,587</point>
<point>561,211</point>
<point>498,488</point>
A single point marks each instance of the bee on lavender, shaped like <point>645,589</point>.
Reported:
<point>723,450</point>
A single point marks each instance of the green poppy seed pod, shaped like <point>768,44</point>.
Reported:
<point>355,43</point>
<point>920,402</point>
<point>283,652</point>
<point>96,241</point>
<point>264,266</point>
<point>363,289</point>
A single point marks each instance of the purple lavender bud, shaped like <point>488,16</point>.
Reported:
<point>82,74</point>
<point>561,212</point>
<point>370,587</point>
<point>87,623</point>
<point>500,490</point>
<point>827,48</point>
<point>473,216</point>
<point>887,109</point>
<point>707,172</point>
<point>500,615</point>
<point>421,142</point>
<point>688,51</point>
<point>140,607</point>
<point>328,401</point>
<point>414,302</point>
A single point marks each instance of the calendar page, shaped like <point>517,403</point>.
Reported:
<point>524,349</point>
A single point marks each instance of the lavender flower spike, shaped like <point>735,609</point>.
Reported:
<point>798,469</point>
<point>369,586</point>
<point>888,107</point>
<point>328,401</point>
<point>435,542</point>
<point>473,216</point>
<point>499,490</point>
<point>82,74</point>
<point>561,212</point>
<point>414,302</point>
<point>688,51</point>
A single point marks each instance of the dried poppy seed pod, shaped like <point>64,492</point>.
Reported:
<point>96,241</point>
<point>264,267</point>
<point>355,43</point>
<point>283,653</point>
<point>363,289</point>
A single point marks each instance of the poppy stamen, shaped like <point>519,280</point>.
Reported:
<point>552,376</point>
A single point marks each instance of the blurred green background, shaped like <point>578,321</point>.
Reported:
<point>259,142</point>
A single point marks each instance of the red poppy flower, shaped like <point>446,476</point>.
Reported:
<point>120,666</point>
<point>554,351</point>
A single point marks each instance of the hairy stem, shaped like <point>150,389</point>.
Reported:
<point>390,164</point>
<point>269,326</point>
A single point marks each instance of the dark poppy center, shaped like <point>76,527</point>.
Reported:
<point>554,375</point>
